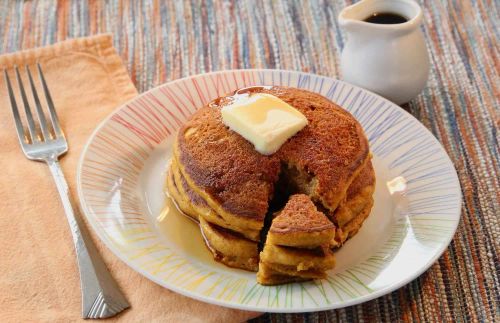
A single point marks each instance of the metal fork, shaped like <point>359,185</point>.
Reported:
<point>101,296</point>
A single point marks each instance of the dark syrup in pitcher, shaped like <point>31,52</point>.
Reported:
<point>385,18</point>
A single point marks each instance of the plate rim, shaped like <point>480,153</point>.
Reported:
<point>364,298</point>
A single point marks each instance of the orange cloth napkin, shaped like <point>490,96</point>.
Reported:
<point>38,274</point>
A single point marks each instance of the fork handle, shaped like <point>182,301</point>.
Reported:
<point>101,296</point>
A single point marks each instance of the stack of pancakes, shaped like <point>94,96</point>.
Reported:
<point>219,179</point>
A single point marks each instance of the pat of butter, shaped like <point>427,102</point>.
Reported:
<point>264,120</point>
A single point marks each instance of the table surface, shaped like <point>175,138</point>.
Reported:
<point>165,40</point>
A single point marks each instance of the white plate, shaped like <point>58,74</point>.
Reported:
<point>122,172</point>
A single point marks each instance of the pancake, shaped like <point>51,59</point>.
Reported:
<point>237,182</point>
<point>230,248</point>
<point>185,193</point>
<point>291,271</point>
<point>351,213</point>
<point>244,202</point>
<point>268,276</point>
<point>320,258</point>
<point>300,224</point>
<point>184,205</point>
<point>201,208</point>
<point>360,191</point>
<point>353,226</point>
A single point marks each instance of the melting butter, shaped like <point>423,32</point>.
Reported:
<point>264,120</point>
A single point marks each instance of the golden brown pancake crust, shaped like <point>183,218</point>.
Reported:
<point>268,276</point>
<point>352,227</point>
<point>320,258</point>
<point>184,189</point>
<point>300,214</point>
<point>200,207</point>
<point>331,148</point>
<point>366,177</point>
<point>300,224</point>
<point>226,166</point>
<point>358,196</point>
<point>229,247</point>
<point>184,205</point>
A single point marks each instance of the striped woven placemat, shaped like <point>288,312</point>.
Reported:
<point>167,40</point>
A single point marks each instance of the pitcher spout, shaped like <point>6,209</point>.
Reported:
<point>352,18</point>
<point>356,11</point>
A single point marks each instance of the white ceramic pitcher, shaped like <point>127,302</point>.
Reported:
<point>388,59</point>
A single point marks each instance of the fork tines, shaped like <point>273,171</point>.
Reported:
<point>33,135</point>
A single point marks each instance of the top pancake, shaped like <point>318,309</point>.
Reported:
<point>237,181</point>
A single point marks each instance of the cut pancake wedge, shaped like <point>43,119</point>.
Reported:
<point>297,244</point>
<point>301,225</point>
